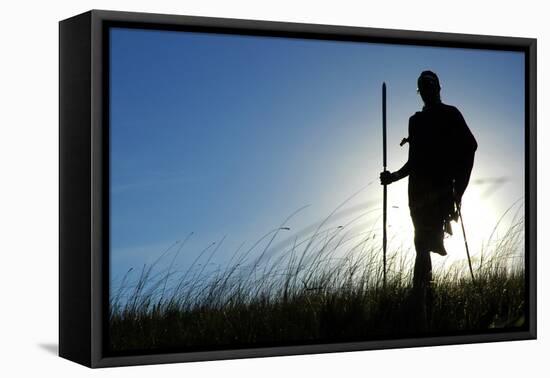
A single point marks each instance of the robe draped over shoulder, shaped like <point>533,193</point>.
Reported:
<point>441,156</point>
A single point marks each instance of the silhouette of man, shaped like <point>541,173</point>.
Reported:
<point>441,156</point>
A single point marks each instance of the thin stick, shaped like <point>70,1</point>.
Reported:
<point>466,243</point>
<point>385,196</point>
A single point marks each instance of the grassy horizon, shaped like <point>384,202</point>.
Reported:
<point>326,287</point>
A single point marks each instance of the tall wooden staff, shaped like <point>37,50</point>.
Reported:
<point>385,203</point>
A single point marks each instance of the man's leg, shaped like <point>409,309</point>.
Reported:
<point>422,277</point>
<point>422,265</point>
<point>422,270</point>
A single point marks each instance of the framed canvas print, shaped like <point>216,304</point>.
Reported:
<point>235,188</point>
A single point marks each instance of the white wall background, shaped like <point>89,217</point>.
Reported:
<point>29,186</point>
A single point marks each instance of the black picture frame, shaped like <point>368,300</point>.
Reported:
<point>84,167</point>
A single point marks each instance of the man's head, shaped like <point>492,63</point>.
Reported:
<point>428,87</point>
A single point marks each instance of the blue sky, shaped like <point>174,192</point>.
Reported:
<point>225,135</point>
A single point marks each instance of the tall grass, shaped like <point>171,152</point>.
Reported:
<point>324,287</point>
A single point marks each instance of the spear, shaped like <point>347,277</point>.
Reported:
<point>385,196</point>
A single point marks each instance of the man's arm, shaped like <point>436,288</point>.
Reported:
<point>402,172</point>
<point>387,177</point>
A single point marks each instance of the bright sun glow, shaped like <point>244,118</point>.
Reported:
<point>479,220</point>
